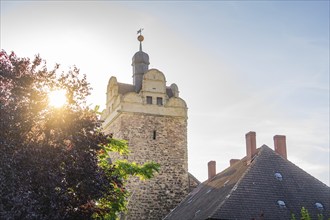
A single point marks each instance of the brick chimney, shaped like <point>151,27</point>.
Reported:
<point>250,145</point>
<point>211,169</point>
<point>280,145</point>
<point>233,161</point>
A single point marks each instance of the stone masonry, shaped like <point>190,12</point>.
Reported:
<point>153,199</point>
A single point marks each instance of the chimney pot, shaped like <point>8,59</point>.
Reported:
<point>280,145</point>
<point>211,169</point>
<point>250,145</point>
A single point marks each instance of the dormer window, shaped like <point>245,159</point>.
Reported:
<point>281,204</point>
<point>319,206</point>
<point>278,176</point>
<point>149,100</point>
<point>159,101</point>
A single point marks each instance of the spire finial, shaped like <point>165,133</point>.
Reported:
<point>140,37</point>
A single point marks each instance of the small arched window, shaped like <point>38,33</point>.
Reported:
<point>278,176</point>
<point>281,204</point>
<point>319,206</point>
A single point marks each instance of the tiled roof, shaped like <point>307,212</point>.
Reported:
<point>193,182</point>
<point>124,88</point>
<point>252,192</point>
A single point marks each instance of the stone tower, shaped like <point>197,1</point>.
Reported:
<point>153,119</point>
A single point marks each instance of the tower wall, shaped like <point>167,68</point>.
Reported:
<point>154,198</point>
<point>155,131</point>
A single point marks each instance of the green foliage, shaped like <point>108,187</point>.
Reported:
<point>319,217</point>
<point>145,171</point>
<point>54,162</point>
<point>305,215</point>
<point>114,145</point>
<point>293,217</point>
<point>122,170</point>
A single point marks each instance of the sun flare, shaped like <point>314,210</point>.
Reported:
<point>57,98</point>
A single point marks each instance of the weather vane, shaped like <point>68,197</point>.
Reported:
<point>140,31</point>
<point>140,37</point>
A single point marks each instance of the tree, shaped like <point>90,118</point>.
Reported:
<point>54,162</point>
<point>305,215</point>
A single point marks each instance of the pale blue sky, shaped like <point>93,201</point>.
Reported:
<point>240,65</point>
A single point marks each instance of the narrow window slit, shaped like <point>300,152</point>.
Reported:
<point>154,135</point>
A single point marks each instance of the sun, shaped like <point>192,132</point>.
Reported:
<point>57,98</point>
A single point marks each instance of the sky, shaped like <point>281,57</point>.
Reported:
<point>240,66</point>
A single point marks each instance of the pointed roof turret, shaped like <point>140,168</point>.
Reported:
<point>140,64</point>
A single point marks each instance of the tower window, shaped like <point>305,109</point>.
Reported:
<point>159,101</point>
<point>149,99</point>
<point>154,135</point>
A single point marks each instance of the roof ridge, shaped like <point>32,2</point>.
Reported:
<point>263,146</point>
<point>125,84</point>
<point>235,186</point>
<point>253,161</point>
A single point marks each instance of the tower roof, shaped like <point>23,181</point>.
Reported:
<point>140,64</point>
<point>140,57</point>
